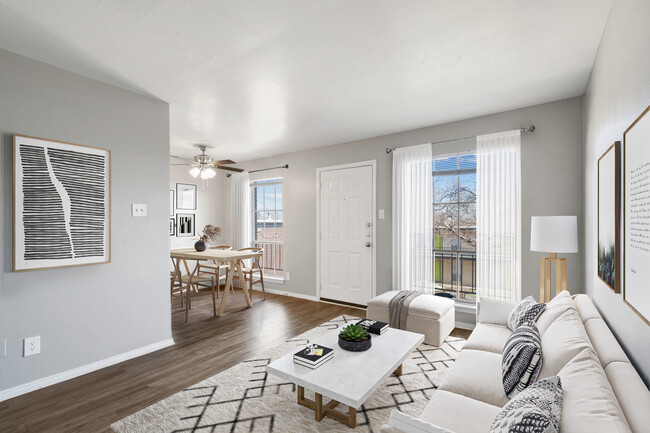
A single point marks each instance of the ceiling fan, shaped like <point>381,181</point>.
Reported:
<point>203,166</point>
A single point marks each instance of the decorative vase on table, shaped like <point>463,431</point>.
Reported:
<point>199,246</point>
<point>354,338</point>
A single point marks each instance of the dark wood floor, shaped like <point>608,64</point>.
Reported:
<point>204,346</point>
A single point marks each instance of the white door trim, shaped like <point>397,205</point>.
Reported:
<point>372,163</point>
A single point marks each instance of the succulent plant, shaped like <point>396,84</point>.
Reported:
<point>354,332</point>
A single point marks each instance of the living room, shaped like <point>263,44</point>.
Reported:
<point>288,127</point>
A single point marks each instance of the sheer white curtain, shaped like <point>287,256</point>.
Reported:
<point>412,219</point>
<point>240,196</point>
<point>498,221</point>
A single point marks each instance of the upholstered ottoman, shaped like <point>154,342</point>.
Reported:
<point>433,316</point>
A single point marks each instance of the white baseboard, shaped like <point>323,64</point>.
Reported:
<point>285,293</point>
<point>84,369</point>
<point>464,325</point>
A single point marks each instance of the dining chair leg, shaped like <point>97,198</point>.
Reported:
<point>262,281</point>
<point>214,301</point>
<point>218,280</point>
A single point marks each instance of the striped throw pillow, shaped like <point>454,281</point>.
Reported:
<point>522,359</point>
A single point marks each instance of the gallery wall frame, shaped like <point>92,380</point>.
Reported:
<point>171,203</point>
<point>636,211</point>
<point>185,196</point>
<point>61,204</point>
<point>172,226</point>
<point>609,217</point>
<point>185,225</point>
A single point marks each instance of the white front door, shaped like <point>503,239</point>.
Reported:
<point>346,234</point>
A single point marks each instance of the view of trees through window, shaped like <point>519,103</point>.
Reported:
<point>268,229</point>
<point>454,226</point>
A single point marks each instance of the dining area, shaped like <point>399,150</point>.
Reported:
<point>204,270</point>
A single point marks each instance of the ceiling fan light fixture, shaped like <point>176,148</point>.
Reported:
<point>208,173</point>
<point>195,171</point>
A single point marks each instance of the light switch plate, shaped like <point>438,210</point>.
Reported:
<point>287,276</point>
<point>381,214</point>
<point>32,346</point>
<point>139,210</point>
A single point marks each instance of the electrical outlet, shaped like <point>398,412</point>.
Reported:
<point>287,276</point>
<point>3,348</point>
<point>139,210</point>
<point>32,346</point>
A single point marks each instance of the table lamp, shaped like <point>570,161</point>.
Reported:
<point>553,234</point>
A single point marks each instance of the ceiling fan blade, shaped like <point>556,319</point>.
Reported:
<point>184,159</point>
<point>238,170</point>
<point>181,164</point>
<point>223,162</point>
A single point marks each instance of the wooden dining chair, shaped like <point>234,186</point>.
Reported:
<point>211,267</point>
<point>253,270</point>
<point>182,282</point>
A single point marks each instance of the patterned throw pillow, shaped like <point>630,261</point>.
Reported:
<point>536,410</point>
<point>522,359</point>
<point>526,311</point>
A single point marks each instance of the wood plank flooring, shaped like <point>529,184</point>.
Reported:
<point>204,347</point>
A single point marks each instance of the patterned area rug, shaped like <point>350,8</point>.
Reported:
<point>245,398</point>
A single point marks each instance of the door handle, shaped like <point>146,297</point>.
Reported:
<point>368,244</point>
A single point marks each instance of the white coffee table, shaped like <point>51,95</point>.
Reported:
<point>349,377</point>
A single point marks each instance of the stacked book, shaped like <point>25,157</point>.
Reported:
<point>374,326</point>
<point>321,355</point>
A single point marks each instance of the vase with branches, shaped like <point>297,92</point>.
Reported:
<point>209,234</point>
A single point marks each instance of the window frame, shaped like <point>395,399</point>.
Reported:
<point>254,212</point>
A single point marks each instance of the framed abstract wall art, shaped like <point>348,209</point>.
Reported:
<point>636,181</point>
<point>62,204</point>
<point>609,201</point>
<point>185,196</point>
<point>184,225</point>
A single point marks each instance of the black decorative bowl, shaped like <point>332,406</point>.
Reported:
<point>199,246</point>
<point>355,346</point>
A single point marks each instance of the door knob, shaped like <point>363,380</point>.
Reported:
<point>368,244</point>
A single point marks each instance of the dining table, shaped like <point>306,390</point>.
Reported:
<point>233,258</point>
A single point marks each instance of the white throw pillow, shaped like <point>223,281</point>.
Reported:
<point>493,311</point>
<point>408,424</point>
<point>527,311</point>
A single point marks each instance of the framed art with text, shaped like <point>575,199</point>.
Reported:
<point>636,180</point>
<point>609,186</point>
<point>62,204</point>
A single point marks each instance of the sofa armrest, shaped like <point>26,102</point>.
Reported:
<point>493,311</point>
<point>402,422</point>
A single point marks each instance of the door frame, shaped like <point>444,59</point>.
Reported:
<point>372,163</point>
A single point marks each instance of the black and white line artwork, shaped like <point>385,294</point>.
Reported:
<point>62,204</point>
<point>184,225</point>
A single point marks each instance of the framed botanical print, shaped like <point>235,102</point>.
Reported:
<point>185,196</point>
<point>609,205</point>
<point>185,225</point>
<point>636,181</point>
<point>62,204</point>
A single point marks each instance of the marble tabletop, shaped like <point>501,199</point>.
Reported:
<point>350,377</point>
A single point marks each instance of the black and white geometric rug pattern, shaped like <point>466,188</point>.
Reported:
<point>245,398</point>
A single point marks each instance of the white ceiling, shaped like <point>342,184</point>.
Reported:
<point>260,78</point>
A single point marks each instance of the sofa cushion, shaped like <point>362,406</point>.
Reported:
<point>554,309</point>
<point>589,402</point>
<point>408,424</point>
<point>563,340</point>
<point>586,309</point>
<point>477,374</point>
<point>604,342</point>
<point>446,409</point>
<point>493,311</point>
<point>488,337</point>
<point>429,306</point>
<point>522,359</point>
<point>632,395</point>
<point>536,409</point>
<point>526,311</point>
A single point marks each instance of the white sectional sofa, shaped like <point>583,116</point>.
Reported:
<point>602,391</point>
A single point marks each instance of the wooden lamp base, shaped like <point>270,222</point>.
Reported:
<point>545,277</point>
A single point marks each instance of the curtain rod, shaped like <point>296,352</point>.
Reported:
<point>531,128</point>
<point>264,169</point>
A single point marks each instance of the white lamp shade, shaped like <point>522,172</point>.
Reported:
<point>554,234</point>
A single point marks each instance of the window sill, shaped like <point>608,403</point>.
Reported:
<point>274,280</point>
<point>465,308</point>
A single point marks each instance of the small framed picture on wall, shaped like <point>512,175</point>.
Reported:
<point>185,196</point>
<point>172,227</point>
<point>609,206</point>
<point>184,225</point>
<point>171,202</point>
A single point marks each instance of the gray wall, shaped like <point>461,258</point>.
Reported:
<point>88,313</point>
<point>617,93</point>
<point>552,183</point>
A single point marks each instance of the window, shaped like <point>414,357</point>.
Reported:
<point>454,226</point>
<point>268,226</point>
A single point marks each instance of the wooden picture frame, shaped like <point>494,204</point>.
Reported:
<point>636,182</point>
<point>185,196</point>
<point>609,217</point>
<point>50,179</point>
<point>185,225</point>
